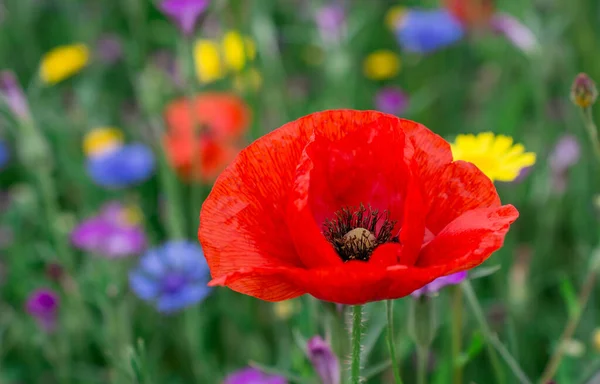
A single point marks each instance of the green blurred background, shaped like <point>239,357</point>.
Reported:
<point>483,83</point>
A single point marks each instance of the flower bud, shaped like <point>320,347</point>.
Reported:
<point>583,91</point>
<point>422,321</point>
<point>324,361</point>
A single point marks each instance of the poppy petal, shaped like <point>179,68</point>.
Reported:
<point>455,189</point>
<point>470,239</point>
<point>242,220</point>
<point>341,169</point>
<point>431,151</point>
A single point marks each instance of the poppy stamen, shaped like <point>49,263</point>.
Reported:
<point>356,232</point>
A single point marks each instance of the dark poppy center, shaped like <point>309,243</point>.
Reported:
<point>356,232</point>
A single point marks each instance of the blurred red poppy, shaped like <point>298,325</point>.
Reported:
<point>472,13</point>
<point>350,207</point>
<point>221,120</point>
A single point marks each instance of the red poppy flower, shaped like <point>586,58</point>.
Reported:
<point>350,207</point>
<point>221,118</point>
<point>224,115</point>
<point>472,13</point>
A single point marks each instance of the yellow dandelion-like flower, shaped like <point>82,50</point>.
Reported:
<point>381,65</point>
<point>207,57</point>
<point>394,16</point>
<point>63,62</point>
<point>102,139</point>
<point>496,156</point>
<point>237,49</point>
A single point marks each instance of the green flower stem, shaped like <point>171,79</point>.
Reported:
<point>592,130</point>
<point>422,357</point>
<point>187,67</point>
<point>584,296</point>
<point>357,312</point>
<point>170,186</point>
<point>492,341</point>
<point>35,154</point>
<point>456,333</point>
<point>391,342</point>
<point>590,280</point>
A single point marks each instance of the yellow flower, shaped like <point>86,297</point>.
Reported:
<point>381,65</point>
<point>208,61</point>
<point>394,16</point>
<point>596,339</point>
<point>496,156</point>
<point>100,140</point>
<point>214,59</point>
<point>236,49</point>
<point>63,62</point>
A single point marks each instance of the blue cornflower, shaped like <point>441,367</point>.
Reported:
<point>121,167</point>
<point>4,154</point>
<point>172,276</point>
<point>424,31</point>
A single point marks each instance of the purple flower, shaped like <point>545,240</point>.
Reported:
<point>43,304</point>
<point>109,234</point>
<point>172,276</point>
<point>324,361</point>
<point>331,20</point>
<point>425,31</point>
<point>126,165</point>
<point>565,154</point>
<point>184,13</point>
<point>515,31</point>
<point>391,100</point>
<point>109,48</point>
<point>13,95</point>
<point>439,283</point>
<point>253,376</point>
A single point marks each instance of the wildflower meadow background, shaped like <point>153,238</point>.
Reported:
<point>117,116</point>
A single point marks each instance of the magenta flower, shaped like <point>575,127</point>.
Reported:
<point>565,154</point>
<point>331,21</point>
<point>440,283</point>
<point>13,96</point>
<point>324,361</point>
<point>515,31</point>
<point>43,305</point>
<point>253,376</point>
<point>391,100</point>
<point>109,234</point>
<point>184,13</point>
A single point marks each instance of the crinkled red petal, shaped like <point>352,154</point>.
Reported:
<point>455,189</point>
<point>470,239</point>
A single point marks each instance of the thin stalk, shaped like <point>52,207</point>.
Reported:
<point>584,295</point>
<point>456,333</point>
<point>357,312</point>
<point>422,357</point>
<point>187,63</point>
<point>391,342</point>
<point>168,180</point>
<point>590,280</point>
<point>592,130</point>
<point>492,342</point>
